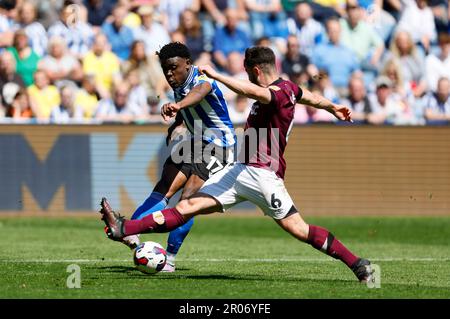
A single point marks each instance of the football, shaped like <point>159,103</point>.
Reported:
<point>150,257</point>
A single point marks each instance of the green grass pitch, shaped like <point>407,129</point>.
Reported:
<point>227,257</point>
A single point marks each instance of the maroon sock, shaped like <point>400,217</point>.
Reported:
<point>158,222</point>
<point>323,240</point>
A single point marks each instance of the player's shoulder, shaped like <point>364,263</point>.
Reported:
<point>284,91</point>
<point>284,86</point>
<point>199,77</point>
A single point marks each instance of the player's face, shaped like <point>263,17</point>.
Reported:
<point>176,70</point>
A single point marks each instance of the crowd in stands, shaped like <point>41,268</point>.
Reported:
<point>95,61</point>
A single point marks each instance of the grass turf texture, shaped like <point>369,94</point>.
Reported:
<point>227,257</point>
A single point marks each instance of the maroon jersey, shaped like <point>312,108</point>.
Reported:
<point>272,124</point>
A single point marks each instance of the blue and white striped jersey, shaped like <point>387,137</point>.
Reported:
<point>211,112</point>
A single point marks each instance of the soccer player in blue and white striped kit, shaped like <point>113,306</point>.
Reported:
<point>208,123</point>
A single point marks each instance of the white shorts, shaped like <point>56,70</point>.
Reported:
<point>238,182</point>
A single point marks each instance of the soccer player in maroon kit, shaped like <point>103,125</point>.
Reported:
<point>259,177</point>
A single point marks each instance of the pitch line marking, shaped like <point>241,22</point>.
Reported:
<point>244,260</point>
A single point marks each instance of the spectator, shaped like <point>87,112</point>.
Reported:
<point>87,96</point>
<point>357,99</point>
<point>137,95</point>
<point>173,8</point>
<point>235,65</point>
<point>8,72</point>
<point>62,67</point>
<point>18,102</point>
<point>34,29</point>
<point>26,59</point>
<point>438,65</point>
<point>213,16</point>
<point>118,108</point>
<point>98,11</point>
<point>151,32</point>
<point>295,62</point>
<point>78,34</point>
<point>49,11</point>
<point>381,21</point>
<point>235,68</point>
<point>362,39</point>
<point>411,61</point>
<point>131,19</point>
<point>267,19</point>
<point>229,38</point>
<point>437,103</point>
<point>400,89</point>
<point>326,9</point>
<point>190,26</point>
<point>239,109</point>
<point>7,24</point>
<point>103,64</point>
<point>308,31</point>
<point>43,96</point>
<point>393,7</point>
<point>441,13</point>
<point>119,36</point>
<point>67,111</point>
<point>325,87</point>
<point>339,61</point>
<point>385,108</point>
<point>149,69</point>
<point>418,20</point>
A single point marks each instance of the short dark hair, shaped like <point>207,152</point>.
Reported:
<point>172,50</point>
<point>8,4</point>
<point>261,56</point>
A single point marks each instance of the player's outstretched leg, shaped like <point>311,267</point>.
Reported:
<point>321,239</point>
<point>117,227</point>
<point>155,202</point>
<point>163,221</point>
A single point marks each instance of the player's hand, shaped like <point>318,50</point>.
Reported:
<point>169,110</point>
<point>208,71</point>
<point>342,112</point>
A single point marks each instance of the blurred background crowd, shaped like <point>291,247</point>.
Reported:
<point>95,61</point>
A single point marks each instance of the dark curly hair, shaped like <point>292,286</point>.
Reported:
<point>172,50</point>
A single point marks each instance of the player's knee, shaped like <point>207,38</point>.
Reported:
<point>187,206</point>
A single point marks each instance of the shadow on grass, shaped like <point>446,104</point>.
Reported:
<point>180,273</point>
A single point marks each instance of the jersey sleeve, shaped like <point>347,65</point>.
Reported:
<point>298,92</point>
<point>202,78</point>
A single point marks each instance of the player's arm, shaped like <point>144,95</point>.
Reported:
<point>194,97</point>
<point>317,101</point>
<point>240,87</point>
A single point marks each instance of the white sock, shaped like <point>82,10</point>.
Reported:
<point>171,258</point>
